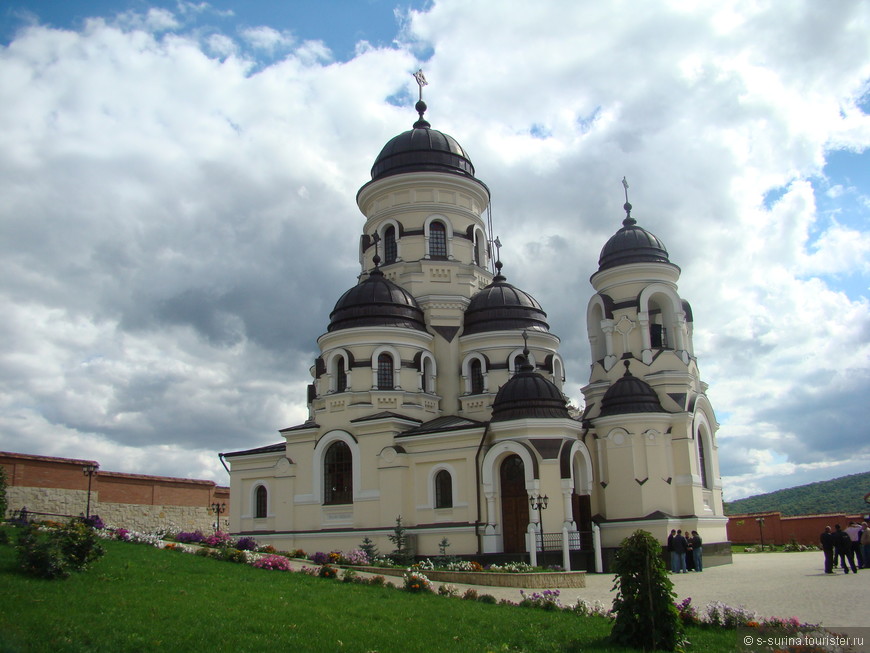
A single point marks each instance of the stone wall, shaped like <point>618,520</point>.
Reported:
<point>57,486</point>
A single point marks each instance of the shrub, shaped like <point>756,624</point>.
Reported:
<point>687,611</point>
<point>41,556</point>
<point>218,539</point>
<point>417,582</point>
<point>273,562</point>
<point>357,557</point>
<point>299,553</point>
<point>350,576</point>
<point>487,598</point>
<point>94,521</point>
<point>267,549</point>
<point>646,616</point>
<point>447,590</point>
<point>327,571</point>
<point>246,544</point>
<point>402,554</point>
<point>233,555</point>
<point>190,538</point>
<point>320,558</point>
<point>470,595</point>
<point>334,557</point>
<point>377,581</point>
<point>546,600</point>
<point>79,544</point>
<point>4,504</point>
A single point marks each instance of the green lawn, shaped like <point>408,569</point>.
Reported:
<point>138,598</point>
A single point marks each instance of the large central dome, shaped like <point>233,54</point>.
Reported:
<point>422,149</point>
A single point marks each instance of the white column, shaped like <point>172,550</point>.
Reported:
<point>596,545</point>
<point>566,549</point>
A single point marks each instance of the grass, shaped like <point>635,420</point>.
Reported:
<point>138,598</point>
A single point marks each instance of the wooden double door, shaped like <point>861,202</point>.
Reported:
<point>514,504</point>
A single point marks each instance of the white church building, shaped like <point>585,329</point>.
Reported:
<point>437,395</point>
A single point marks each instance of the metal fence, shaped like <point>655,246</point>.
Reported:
<point>553,541</point>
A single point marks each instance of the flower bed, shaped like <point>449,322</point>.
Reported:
<point>543,579</point>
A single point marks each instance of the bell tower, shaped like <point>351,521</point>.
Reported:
<point>652,426</point>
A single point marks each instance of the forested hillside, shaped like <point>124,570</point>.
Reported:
<point>844,494</point>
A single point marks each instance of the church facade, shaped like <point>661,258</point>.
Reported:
<point>437,394</point>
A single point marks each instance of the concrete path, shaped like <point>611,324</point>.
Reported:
<point>771,584</point>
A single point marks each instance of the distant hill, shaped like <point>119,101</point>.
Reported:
<point>844,494</point>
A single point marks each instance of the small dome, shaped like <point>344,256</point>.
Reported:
<point>422,149</point>
<point>632,244</point>
<point>528,394</point>
<point>630,394</point>
<point>376,301</point>
<point>501,306</point>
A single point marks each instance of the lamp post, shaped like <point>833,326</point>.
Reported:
<point>539,503</point>
<point>219,509</point>
<point>760,521</point>
<point>89,470</point>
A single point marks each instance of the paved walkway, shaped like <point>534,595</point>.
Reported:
<point>771,584</point>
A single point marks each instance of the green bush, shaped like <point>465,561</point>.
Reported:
<point>41,556</point>
<point>4,504</point>
<point>646,617</point>
<point>79,544</point>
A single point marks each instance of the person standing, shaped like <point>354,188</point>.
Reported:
<point>828,542</point>
<point>673,554</point>
<point>854,532</point>
<point>697,551</point>
<point>865,544</point>
<point>681,545</point>
<point>843,548</point>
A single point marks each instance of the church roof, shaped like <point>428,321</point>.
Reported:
<point>528,395</point>
<point>445,423</point>
<point>269,448</point>
<point>501,306</point>
<point>376,301</point>
<point>629,394</point>
<point>422,149</point>
<point>632,244</point>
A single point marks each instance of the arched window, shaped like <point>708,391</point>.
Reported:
<point>340,375</point>
<point>476,373</point>
<point>476,248</point>
<point>261,498</point>
<point>428,375</point>
<point>702,461</point>
<point>391,250</point>
<point>338,474</point>
<point>385,372</point>
<point>443,489</point>
<point>437,240</point>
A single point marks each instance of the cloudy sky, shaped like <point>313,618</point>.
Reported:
<point>178,214</point>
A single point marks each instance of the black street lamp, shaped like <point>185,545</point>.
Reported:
<point>89,470</point>
<point>760,521</point>
<point>539,503</point>
<point>219,509</point>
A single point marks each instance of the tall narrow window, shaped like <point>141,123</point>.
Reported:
<point>476,253</point>
<point>391,250</point>
<point>340,375</point>
<point>437,240</point>
<point>338,474</point>
<point>702,461</point>
<point>428,376</point>
<point>261,499</point>
<point>476,370</point>
<point>443,489</point>
<point>385,372</point>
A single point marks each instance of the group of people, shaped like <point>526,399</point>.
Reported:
<point>686,552</point>
<point>848,548</point>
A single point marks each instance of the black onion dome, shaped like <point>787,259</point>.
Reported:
<point>422,149</point>
<point>376,301</point>
<point>528,394</point>
<point>632,244</point>
<point>501,306</point>
<point>630,394</point>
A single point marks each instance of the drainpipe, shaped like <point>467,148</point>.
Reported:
<point>477,472</point>
<point>223,462</point>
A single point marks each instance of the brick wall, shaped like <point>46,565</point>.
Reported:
<point>744,529</point>
<point>133,501</point>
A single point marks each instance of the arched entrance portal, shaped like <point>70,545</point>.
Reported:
<point>514,504</point>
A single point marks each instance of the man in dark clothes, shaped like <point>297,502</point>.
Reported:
<point>681,545</point>
<point>828,542</point>
<point>671,552</point>
<point>843,548</point>
<point>697,551</point>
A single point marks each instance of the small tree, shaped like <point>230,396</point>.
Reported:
<point>646,617</point>
<point>4,504</point>
<point>400,539</point>
<point>368,547</point>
